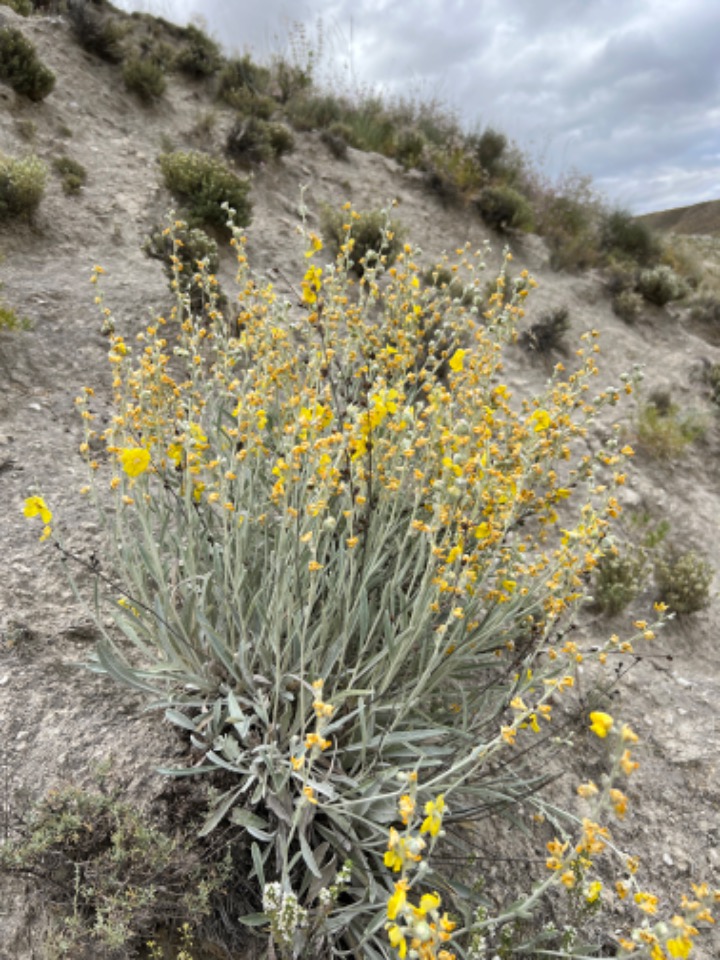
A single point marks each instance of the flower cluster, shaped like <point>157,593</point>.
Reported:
<point>416,930</point>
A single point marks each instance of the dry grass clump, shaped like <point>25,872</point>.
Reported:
<point>547,335</point>
<point>663,430</point>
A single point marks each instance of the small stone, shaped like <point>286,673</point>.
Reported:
<point>668,860</point>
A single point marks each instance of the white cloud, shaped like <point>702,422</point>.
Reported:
<point>626,92</point>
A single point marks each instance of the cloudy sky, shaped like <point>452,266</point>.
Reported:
<point>627,91</point>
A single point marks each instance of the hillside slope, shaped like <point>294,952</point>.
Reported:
<point>58,721</point>
<point>703,218</point>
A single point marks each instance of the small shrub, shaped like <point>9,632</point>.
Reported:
<point>683,580</point>
<point>73,173</point>
<point>204,184</point>
<point>622,235</point>
<point>290,79</point>
<point>21,68</point>
<point>27,129</point>
<point>711,378</point>
<point>627,305</point>
<point>548,334</point>
<point>705,310</point>
<point>489,148</point>
<point>410,148</point>
<point>256,141</point>
<point>115,877</point>
<point>662,431</point>
<point>189,256</point>
<point>337,138</point>
<point>22,184</point>
<point>23,7</point>
<point>248,103</point>
<point>144,77</point>
<point>619,577</point>
<point>281,137</point>
<point>442,278</point>
<point>504,208</point>
<point>367,239</point>
<point>242,74</point>
<point>199,56</point>
<point>315,112</point>
<point>10,320</point>
<point>660,285</point>
<point>96,31</point>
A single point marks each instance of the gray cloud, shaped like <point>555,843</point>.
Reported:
<point>626,92</point>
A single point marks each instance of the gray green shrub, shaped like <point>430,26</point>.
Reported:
<point>620,575</point>
<point>504,208</point>
<point>203,184</point>
<point>626,237</point>
<point>199,56</point>
<point>96,30</point>
<point>663,429</point>
<point>22,185</point>
<point>369,239</point>
<point>145,77</point>
<point>628,305</point>
<point>252,140</point>
<point>114,878</point>
<point>73,173</point>
<point>660,285</point>
<point>188,256</point>
<point>683,579</point>
<point>21,67</point>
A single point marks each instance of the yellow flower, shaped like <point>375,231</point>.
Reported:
<point>36,507</point>
<point>457,361</point>
<point>434,810</point>
<point>406,808</point>
<point>628,765</point>
<point>397,940</point>
<point>593,891</point>
<point>315,740</point>
<point>428,902</point>
<point>646,902</point>
<point>601,723</point>
<point>297,762</point>
<point>134,460</point>
<point>314,566</point>
<point>398,900</point>
<point>541,419</point>
<point>679,947</point>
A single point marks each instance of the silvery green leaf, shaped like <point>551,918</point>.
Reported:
<point>179,719</point>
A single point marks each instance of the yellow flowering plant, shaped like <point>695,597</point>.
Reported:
<point>340,485</point>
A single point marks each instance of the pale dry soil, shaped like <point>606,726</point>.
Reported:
<point>59,721</point>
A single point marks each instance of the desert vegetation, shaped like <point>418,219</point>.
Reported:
<point>349,560</point>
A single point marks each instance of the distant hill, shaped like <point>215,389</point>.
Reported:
<point>700,218</point>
